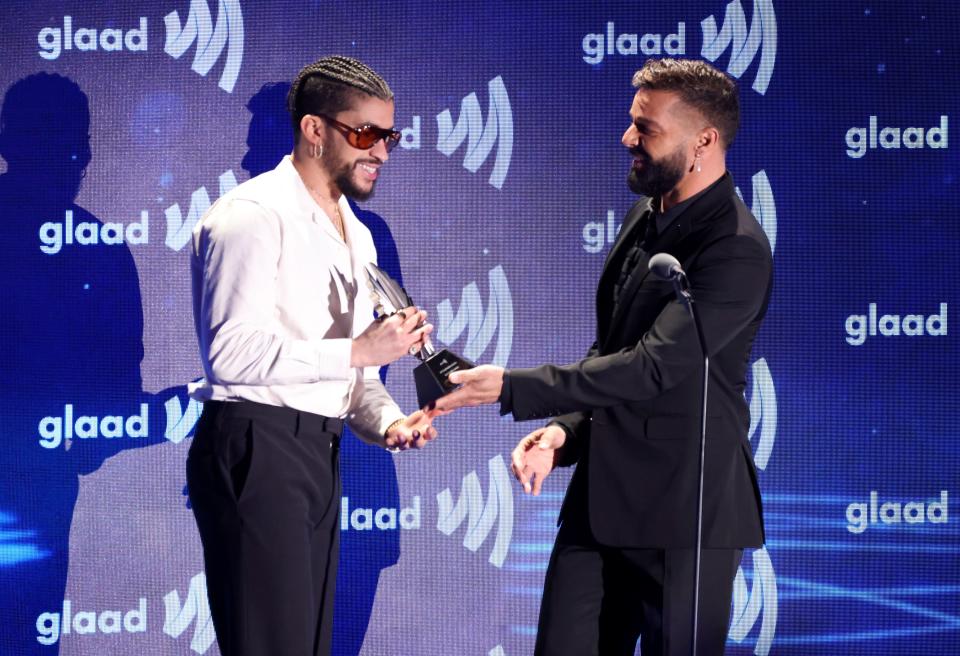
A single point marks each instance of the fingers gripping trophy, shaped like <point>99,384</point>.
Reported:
<point>431,376</point>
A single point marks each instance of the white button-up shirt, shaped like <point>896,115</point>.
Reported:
<point>277,298</point>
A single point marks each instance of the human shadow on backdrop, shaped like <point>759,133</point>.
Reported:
<point>368,475</point>
<point>71,343</point>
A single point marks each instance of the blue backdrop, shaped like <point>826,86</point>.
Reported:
<point>122,121</point>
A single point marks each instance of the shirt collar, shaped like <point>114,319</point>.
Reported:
<point>664,219</point>
<point>306,206</point>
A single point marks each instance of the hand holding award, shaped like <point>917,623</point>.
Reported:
<point>431,375</point>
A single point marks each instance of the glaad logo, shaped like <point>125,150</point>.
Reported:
<point>860,326</point>
<point>763,30</point>
<point>763,206</point>
<point>480,326</point>
<point>481,138</point>
<point>53,430</point>
<point>597,235</point>
<point>51,626</point>
<point>861,515</point>
<point>195,609</point>
<point>210,39</point>
<point>747,605</point>
<point>481,516</point>
<point>595,46</point>
<point>53,236</point>
<point>178,230</point>
<point>383,519</point>
<point>53,41</point>
<point>859,140</point>
<point>763,413</point>
<point>180,422</point>
<point>733,34</point>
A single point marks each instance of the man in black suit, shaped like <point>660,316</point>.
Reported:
<point>622,566</point>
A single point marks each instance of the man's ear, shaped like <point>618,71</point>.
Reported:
<point>709,137</point>
<point>310,127</point>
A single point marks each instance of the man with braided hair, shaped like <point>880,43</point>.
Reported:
<point>290,353</point>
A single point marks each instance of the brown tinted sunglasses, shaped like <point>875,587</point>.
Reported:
<point>365,136</point>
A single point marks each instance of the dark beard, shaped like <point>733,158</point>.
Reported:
<point>658,177</point>
<point>344,181</point>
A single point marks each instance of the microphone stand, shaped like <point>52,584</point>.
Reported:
<point>682,288</point>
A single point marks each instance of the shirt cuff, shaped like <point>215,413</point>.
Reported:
<point>333,359</point>
<point>506,395</point>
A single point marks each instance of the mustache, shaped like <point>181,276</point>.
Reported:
<point>637,152</point>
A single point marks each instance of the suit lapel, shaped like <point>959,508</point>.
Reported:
<point>670,241</point>
<point>627,232</point>
<point>614,262</point>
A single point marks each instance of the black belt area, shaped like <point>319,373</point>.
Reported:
<point>297,421</point>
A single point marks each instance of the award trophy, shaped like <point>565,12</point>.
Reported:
<point>435,366</point>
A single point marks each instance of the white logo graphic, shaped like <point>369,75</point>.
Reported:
<point>597,235</point>
<point>50,626</point>
<point>53,236</point>
<point>860,326</point>
<point>180,422</point>
<point>480,138</point>
<point>763,206</point>
<point>481,516</point>
<point>196,609</point>
<point>747,605</point>
<point>596,46</point>
<point>210,39</point>
<point>763,413</point>
<point>383,519</point>
<point>178,230</point>
<point>763,33</point>
<point>859,140</point>
<point>733,34</point>
<point>893,512</point>
<point>53,430</point>
<point>53,40</point>
<point>480,326</point>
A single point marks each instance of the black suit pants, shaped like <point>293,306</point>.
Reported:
<point>600,600</point>
<point>264,485</point>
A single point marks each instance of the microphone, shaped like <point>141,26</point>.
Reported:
<point>666,266</point>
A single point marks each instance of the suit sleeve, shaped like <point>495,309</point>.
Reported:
<point>577,427</point>
<point>729,281</point>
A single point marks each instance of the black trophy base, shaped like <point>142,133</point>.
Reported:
<point>431,375</point>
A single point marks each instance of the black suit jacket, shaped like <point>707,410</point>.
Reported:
<point>634,400</point>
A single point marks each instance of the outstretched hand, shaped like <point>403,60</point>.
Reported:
<point>478,386</point>
<point>536,455</point>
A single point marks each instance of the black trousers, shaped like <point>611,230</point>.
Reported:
<point>264,484</point>
<point>600,600</point>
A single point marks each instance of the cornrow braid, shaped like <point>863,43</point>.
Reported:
<point>329,85</point>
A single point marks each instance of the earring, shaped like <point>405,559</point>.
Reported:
<point>318,151</point>
<point>696,163</point>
